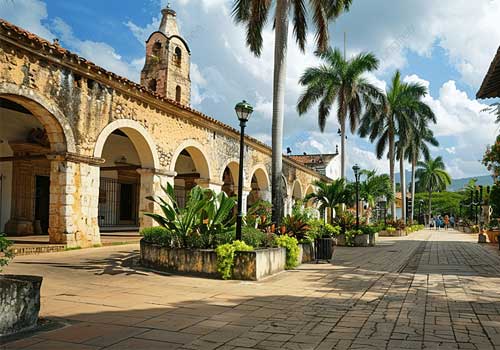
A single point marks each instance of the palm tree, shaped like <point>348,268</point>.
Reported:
<point>329,195</point>
<point>392,116</point>
<point>418,147</point>
<point>341,81</point>
<point>494,109</point>
<point>254,14</point>
<point>433,177</point>
<point>374,187</point>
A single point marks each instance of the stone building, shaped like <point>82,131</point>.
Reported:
<point>81,147</point>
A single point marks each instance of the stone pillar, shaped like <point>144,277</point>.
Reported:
<point>74,198</point>
<point>214,185</point>
<point>244,197</point>
<point>151,182</point>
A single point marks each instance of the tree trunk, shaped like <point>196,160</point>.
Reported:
<point>430,205</point>
<point>413,167</point>
<point>342,148</point>
<point>391,174</point>
<point>280,51</point>
<point>402,180</point>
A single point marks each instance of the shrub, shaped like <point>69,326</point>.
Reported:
<point>349,236</point>
<point>6,253</point>
<point>318,229</point>
<point>259,214</point>
<point>295,226</point>
<point>390,229</point>
<point>225,257</point>
<point>253,237</point>
<point>346,221</point>
<point>292,250</point>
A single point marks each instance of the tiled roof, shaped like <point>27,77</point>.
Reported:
<point>491,83</point>
<point>312,159</point>
<point>18,34</point>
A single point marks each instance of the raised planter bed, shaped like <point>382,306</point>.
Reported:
<point>19,303</point>
<point>253,265</point>
<point>306,253</point>
<point>362,240</point>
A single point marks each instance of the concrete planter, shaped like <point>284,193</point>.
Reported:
<point>362,240</point>
<point>373,239</point>
<point>19,303</point>
<point>340,240</point>
<point>253,265</point>
<point>306,252</point>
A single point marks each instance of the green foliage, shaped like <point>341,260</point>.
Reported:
<point>161,236</point>
<point>205,218</point>
<point>346,221</point>
<point>292,250</point>
<point>253,236</point>
<point>442,202</point>
<point>295,226</point>
<point>225,257</point>
<point>318,229</point>
<point>491,158</point>
<point>349,236</point>
<point>390,229</point>
<point>495,200</point>
<point>6,253</point>
<point>329,195</point>
<point>432,176</point>
<point>259,214</point>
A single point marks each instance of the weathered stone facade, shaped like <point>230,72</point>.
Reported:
<point>80,106</point>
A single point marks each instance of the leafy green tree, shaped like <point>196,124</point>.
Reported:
<point>375,186</point>
<point>342,82</point>
<point>433,177</point>
<point>417,147</point>
<point>254,14</point>
<point>392,116</point>
<point>491,159</point>
<point>329,195</point>
<point>442,202</point>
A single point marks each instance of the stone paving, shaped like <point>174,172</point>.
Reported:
<point>430,290</point>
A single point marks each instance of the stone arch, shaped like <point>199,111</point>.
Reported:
<point>56,124</point>
<point>287,187</point>
<point>142,141</point>
<point>297,192</point>
<point>200,158</point>
<point>261,174</point>
<point>310,189</point>
<point>233,165</point>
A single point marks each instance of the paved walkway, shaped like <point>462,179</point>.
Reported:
<point>431,290</point>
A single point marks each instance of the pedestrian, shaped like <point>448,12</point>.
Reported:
<point>432,222</point>
<point>446,222</point>
<point>452,221</point>
<point>438,222</point>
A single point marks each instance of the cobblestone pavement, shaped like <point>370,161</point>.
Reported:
<point>430,290</point>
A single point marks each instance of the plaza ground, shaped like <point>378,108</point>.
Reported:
<point>430,290</point>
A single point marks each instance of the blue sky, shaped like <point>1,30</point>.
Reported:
<point>446,45</point>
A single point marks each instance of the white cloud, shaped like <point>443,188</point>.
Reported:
<point>28,14</point>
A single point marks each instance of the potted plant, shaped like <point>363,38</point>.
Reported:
<point>19,296</point>
<point>324,240</point>
<point>492,230</point>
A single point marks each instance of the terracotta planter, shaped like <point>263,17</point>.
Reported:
<point>493,235</point>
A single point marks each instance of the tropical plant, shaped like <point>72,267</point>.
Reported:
<point>259,214</point>
<point>253,237</point>
<point>6,253</point>
<point>494,109</point>
<point>254,14</point>
<point>329,195</point>
<point>291,244</point>
<point>345,221</point>
<point>295,226</point>
<point>225,257</point>
<point>417,147</point>
<point>342,82</point>
<point>433,177</point>
<point>374,186</point>
<point>491,159</point>
<point>391,116</point>
<point>205,216</point>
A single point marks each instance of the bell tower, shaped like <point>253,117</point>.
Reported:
<point>166,70</point>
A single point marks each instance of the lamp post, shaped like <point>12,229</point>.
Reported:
<point>420,203</point>
<point>243,111</point>
<point>356,168</point>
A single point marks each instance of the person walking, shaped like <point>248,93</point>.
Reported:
<point>446,222</point>
<point>432,223</point>
<point>452,221</point>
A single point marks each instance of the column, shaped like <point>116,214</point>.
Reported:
<point>74,198</point>
<point>152,181</point>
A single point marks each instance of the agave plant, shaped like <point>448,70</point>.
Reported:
<point>205,216</point>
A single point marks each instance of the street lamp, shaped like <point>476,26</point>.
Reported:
<point>421,203</point>
<point>243,111</point>
<point>356,168</point>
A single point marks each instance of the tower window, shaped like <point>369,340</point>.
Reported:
<point>178,93</point>
<point>156,49</point>
<point>178,56</point>
<point>152,85</point>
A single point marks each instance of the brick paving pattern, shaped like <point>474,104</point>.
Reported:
<point>430,290</point>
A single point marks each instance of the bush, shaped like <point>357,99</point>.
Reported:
<point>6,254</point>
<point>346,221</point>
<point>349,236</point>
<point>225,257</point>
<point>390,229</point>
<point>318,229</point>
<point>253,237</point>
<point>295,226</point>
<point>292,250</point>
<point>161,236</point>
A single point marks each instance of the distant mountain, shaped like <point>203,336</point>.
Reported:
<point>457,184</point>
